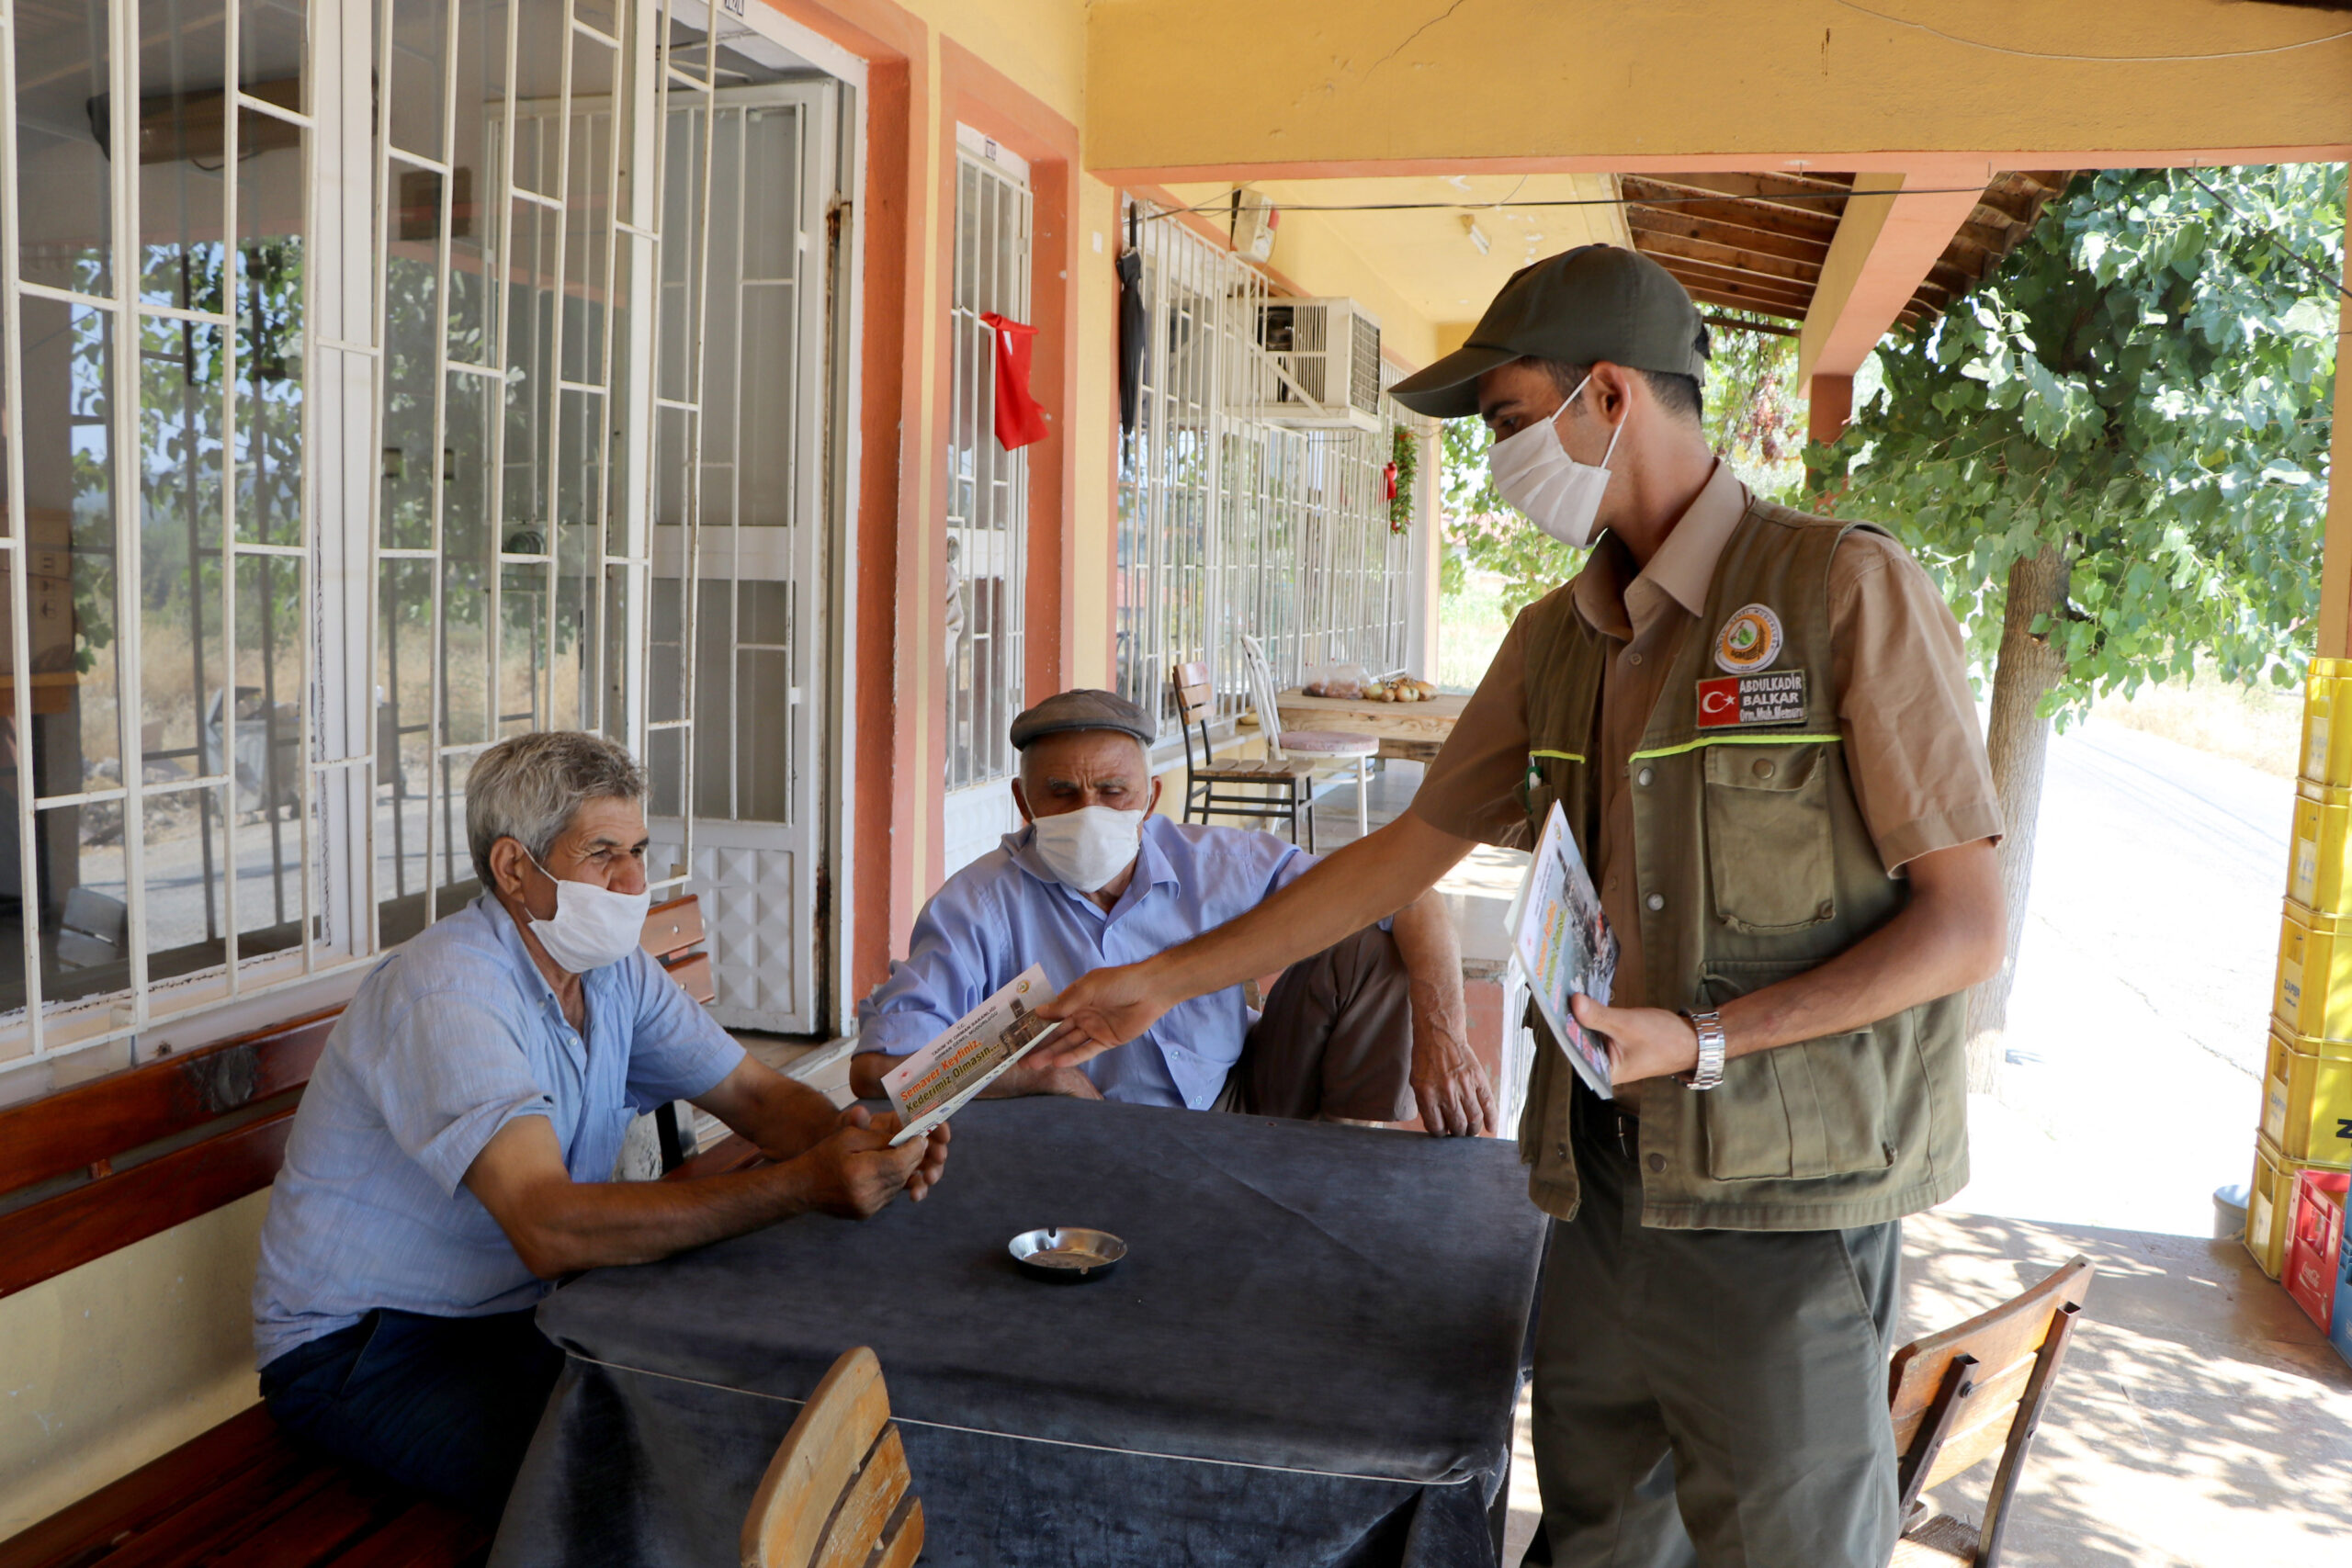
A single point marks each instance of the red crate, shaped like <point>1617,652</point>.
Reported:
<point>2314,1239</point>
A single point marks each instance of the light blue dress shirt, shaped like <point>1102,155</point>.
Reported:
<point>447,1040</point>
<point>1005,911</point>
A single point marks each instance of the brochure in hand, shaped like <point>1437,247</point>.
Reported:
<point>1564,946</point>
<point>936,1082</point>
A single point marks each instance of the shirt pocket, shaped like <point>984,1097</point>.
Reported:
<point>1768,859</point>
<point>1817,1107</point>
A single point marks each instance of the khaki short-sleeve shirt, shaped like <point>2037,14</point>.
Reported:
<point>1900,670</point>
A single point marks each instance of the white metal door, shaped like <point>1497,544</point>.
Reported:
<point>988,503</point>
<point>746,819</point>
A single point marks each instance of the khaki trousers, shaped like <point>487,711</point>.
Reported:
<point>1336,1039</point>
<point>1709,1397</point>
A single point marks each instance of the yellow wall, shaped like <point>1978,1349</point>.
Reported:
<point>1223,86</point>
<point>124,1359</point>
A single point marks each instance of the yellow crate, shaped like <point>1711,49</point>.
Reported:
<point>2313,995</point>
<point>2269,1206</point>
<point>2327,723</point>
<point>2307,1103</point>
<point>2319,860</point>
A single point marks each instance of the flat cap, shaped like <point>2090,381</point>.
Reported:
<point>1084,708</point>
<point>1592,303</point>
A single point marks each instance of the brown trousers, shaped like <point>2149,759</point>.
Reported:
<point>1336,1039</point>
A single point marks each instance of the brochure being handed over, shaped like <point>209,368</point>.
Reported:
<point>934,1083</point>
<point>1563,944</point>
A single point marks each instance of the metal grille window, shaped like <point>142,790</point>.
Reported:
<point>154,654</point>
<point>1228,525</point>
<point>303,510</point>
<point>988,488</point>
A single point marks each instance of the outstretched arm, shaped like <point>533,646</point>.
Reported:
<point>558,1225</point>
<point>1367,881</point>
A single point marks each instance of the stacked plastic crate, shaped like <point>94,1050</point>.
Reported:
<point>2307,1091</point>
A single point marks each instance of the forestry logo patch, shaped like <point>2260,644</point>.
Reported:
<point>1750,641</point>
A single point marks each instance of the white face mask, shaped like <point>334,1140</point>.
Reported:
<point>1086,848</point>
<point>1555,491</point>
<point>592,926</point>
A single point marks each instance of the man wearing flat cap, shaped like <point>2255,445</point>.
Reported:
<point>1368,1027</point>
<point>1758,728</point>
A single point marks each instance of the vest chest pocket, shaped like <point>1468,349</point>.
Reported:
<point>1768,859</point>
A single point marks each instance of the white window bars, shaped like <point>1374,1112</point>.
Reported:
<point>988,488</point>
<point>306,506</point>
<point>1228,525</point>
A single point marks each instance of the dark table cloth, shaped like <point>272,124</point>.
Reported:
<point>1309,1355</point>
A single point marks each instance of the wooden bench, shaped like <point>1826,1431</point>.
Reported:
<point>93,1168</point>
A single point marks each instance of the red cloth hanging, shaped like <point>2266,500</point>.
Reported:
<point>1020,419</point>
<point>1388,482</point>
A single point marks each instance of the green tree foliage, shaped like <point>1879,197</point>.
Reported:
<point>2145,384</point>
<point>1752,413</point>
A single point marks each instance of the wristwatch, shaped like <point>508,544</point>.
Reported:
<point>1712,1042</point>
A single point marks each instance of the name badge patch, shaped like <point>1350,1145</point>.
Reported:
<point>1736,701</point>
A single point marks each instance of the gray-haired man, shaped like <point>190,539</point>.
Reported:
<point>451,1154</point>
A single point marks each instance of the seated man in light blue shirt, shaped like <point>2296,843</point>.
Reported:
<point>1368,1030</point>
<point>454,1150</point>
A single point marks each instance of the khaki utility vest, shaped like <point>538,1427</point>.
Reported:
<point>1751,864</point>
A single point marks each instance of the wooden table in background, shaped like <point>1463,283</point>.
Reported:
<point>1413,731</point>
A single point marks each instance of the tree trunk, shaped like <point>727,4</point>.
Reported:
<point>2017,739</point>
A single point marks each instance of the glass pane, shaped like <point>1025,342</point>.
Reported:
<point>12,902</point>
<point>539,81</point>
<point>665,768</point>
<point>772,145</point>
<point>466,554</point>
<point>522,648</point>
<point>763,760</point>
<point>682,241</point>
<point>419,84</point>
<point>182,147</point>
<point>531,303</point>
<point>403,780</point>
<point>715,694</point>
<point>69,522</point>
<point>263,748</point>
<point>473,238</point>
<point>64,98</point>
<point>769,420</point>
<point>665,675</point>
<point>85,915</point>
<point>271,314</point>
<point>184,874</point>
<point>411,377</point>
<point>179,571</point>
<point>270,45</point>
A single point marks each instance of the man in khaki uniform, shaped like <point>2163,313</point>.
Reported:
<point>1759,727</point>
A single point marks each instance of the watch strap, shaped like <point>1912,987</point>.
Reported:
<point>1714,1046</point>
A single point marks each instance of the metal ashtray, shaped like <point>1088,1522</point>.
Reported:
<point>1065,1255</point>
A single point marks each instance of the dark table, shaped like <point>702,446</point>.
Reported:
<point>1309,1356</point>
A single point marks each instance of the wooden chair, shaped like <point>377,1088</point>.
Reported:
<point>674,935</point>
<point>1231,789</point>
<point>1311,745</point>
<point>1961,1396</point>
<point>837,1491</point>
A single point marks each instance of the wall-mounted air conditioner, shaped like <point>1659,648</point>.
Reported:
<point>1318,366</point>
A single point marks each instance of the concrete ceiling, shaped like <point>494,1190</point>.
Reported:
<point>1423,250</point>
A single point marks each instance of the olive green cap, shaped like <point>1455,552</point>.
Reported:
<point>1592,303</point>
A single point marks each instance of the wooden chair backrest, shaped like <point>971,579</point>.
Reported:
<point>116,1153</point>
<point>837,1494</point>
<point>1959,1398</point>
<point>1195,694</point>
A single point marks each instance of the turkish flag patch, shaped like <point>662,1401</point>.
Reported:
<point>1774,696</point>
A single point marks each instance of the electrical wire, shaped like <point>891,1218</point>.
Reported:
<point>2095,59</point>
<point>2231,207</point>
